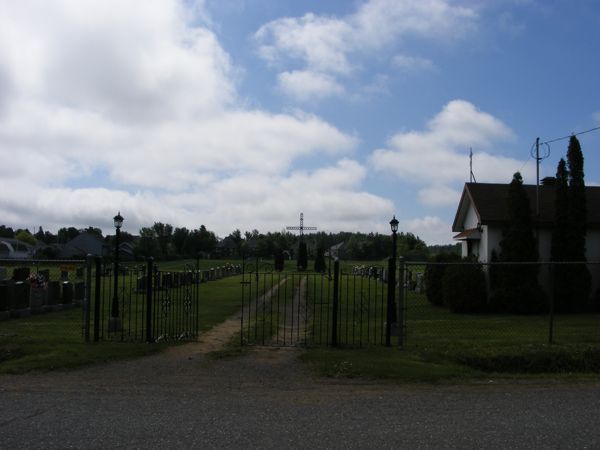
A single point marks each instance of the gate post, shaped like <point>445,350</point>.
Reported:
<point>149,281</point>
<point>87,302</point>
<point>391,302</point>
<point>401,301</point>
<point>97,299</point>
<point>334,319</point>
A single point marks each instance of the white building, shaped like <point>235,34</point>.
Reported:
<point>483,213</point>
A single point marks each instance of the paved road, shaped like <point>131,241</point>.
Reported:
<point>266,400</point>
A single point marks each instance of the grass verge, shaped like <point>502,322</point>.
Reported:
<point>567,362</point>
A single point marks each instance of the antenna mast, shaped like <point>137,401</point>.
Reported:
<point>473,180</point>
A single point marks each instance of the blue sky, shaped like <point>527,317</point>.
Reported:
<point>243,113</point>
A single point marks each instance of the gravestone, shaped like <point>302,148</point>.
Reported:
<point>79,272</point>
<point>79,293</point>
<point>419,283</point>
<point>64,275</point>
<point>53,293</point>
<point>21,273</point>
<point>67,293</point>
<point>176,279</point>
<point>21,297</point>
<point>167,280</point>
<point>2,274</point>
<point>37,299</point>
<point>212,274</point>
<point>140,284</point>
<point>3,297</point>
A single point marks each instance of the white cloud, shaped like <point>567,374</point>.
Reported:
<point>133,107</point>
<point>408,63</point>
<point>330,45</point>
<point>304,85</point>
<point>435,196</point>
<point>439,154</point>
<point>431,229</point>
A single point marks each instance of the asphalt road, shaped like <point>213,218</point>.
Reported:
<point>267,400</point>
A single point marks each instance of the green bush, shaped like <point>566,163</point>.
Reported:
<point>434,273</point>
<point>464,288</point>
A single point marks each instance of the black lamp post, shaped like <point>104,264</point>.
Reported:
<point>391,309</point>
<point>394,226</point>
<point>115,320</point>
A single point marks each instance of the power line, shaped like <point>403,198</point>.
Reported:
<point>573,134</point>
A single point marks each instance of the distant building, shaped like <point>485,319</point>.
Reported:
<point>83,245</point>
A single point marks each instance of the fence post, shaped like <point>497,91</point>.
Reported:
<point>97,299</point>
<point>391,302</point>
<point>334,313</point>
<point>87,302</point>
<point>551,316</point>
<point>149,281</point>
<point>401,300</point>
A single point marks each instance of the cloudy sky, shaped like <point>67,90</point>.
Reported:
<point>243,113</point>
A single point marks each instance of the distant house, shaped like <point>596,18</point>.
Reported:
<point>482,214</point>
<point>13,248</point>
<point>226,248</point>
<point>83,245</point>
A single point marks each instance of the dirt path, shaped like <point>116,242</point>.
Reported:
<point>291,326</point>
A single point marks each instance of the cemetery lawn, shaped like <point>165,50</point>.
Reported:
<point>54,340</point>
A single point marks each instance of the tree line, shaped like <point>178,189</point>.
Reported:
<point>164,241</point>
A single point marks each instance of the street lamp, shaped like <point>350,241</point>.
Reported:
<point>391,322</point>
<point>394,226</point>
<point>114,323</point>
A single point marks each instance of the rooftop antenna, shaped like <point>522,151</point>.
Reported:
<point>473,180</point>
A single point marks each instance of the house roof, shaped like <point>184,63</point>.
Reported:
<point>490,202</point>
<point>83,244</point>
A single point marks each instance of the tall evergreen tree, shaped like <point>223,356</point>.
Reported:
<point>320,260</point>
<point>518,289</point>
<point>577,226</point>
<point>559,249</point>
<point>302,256</point>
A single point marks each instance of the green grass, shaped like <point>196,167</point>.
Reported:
<point>54,340</point>
<point>383,363</point>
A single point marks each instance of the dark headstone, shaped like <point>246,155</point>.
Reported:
<point>2,274</point>
<point>53,293</point>
<point>3,297</point>
<point>167,280</point>
<point>64,275</point>
<point>79,291</point>
<point>140,284</point>
<point>79,272</point>
<point>22,295</point>
<point>67,292</point>
<point>21,273</point>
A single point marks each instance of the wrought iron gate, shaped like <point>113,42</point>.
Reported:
<point>314,309</point>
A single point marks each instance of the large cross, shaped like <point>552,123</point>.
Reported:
<point>301,227</point>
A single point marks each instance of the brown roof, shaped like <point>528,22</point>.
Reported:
<point>491,204</point>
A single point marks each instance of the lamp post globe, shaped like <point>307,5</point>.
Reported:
<point>114,323</point>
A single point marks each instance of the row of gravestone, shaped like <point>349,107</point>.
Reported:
<point>19,297</point>
<point>170,280</point>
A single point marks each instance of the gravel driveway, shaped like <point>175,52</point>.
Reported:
<point>266,399</point>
